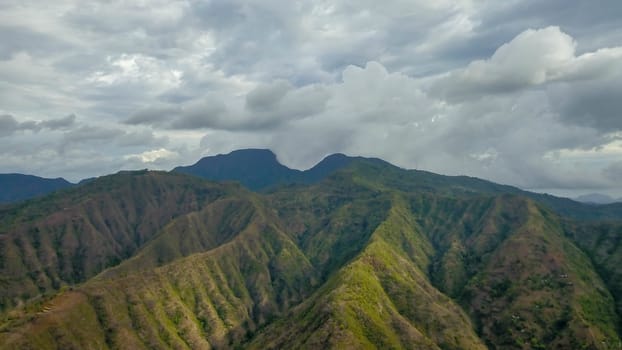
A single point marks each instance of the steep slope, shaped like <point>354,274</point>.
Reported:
<point>198,231</point>
<point>18,187</point>
<point>207,300</point>
<point>509,263</point>
<point>69,237</point>
<point>331,221</point>
<point>603,242</point>
<point>382,299</point>
<point>536,289</point>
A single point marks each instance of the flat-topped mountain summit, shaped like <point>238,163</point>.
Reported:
<point>259,168</point>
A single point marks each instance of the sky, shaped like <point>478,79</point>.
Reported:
<point>525,93</point>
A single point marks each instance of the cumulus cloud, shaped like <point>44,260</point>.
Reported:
<point>152,156</point>
<point>532,58</point>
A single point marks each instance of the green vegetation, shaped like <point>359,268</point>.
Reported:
<point>372,256</point>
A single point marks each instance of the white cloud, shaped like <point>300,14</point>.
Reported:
<point>532,58</point>
<point>152,156</point>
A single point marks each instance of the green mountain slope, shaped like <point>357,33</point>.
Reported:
<point>372,256</point>
<point>72,235</point>
<point>382,299</point>
<point>603,242</point>
<point>211,299</point>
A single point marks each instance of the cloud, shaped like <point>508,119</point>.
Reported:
<point>14,39</point>
<point>61,123</point>
<point>581,89</point>
<point>277,102</point>
<point>197,114</point>
<point>88,135</point>
<point>614,172</point>
<point>152,156</point>
<point>532,58</point>
<point>9,125</point>
<point>593,103</point>
<point>268,105</point>
<point>521,92</point>
<point>206,113</point>
<point>267,97</point>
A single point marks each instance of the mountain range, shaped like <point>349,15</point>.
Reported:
<point>18,187</point>
<point>238,251</point>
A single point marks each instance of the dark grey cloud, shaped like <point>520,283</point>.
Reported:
<point>267,97</point>
<point>14,39</point>
<point>9,125</point>
<point>281,102</point>
<point>91,133</point>
<point>60,123</point>
<point>200,114</point>
<point>266,106</point>
<point>154,115</point>
<point>596,104</point>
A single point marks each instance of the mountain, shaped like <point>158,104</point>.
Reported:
<point>365,255</point>
<point>597,198</point>
<point>18,187</point>
<point>259,169</point>
<point>70,236</point>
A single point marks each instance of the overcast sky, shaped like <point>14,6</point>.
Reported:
<point>526,93</point>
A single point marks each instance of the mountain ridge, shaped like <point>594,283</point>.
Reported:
<point>259,169</point>
<point>368,256</point>
<point>219,167</point>
<point>17,187</point>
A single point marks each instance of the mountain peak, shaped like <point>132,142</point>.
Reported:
<point>254,168</point>
<point>264,152</point>
<point>259,168</point>
<point>244,155</point>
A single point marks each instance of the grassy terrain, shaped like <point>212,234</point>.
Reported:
<point>72,235</point>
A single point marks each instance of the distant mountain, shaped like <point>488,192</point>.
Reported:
<point>17,187</point>
<point>259,169</point>
<point>360,254</point>
<point>597,198</point>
